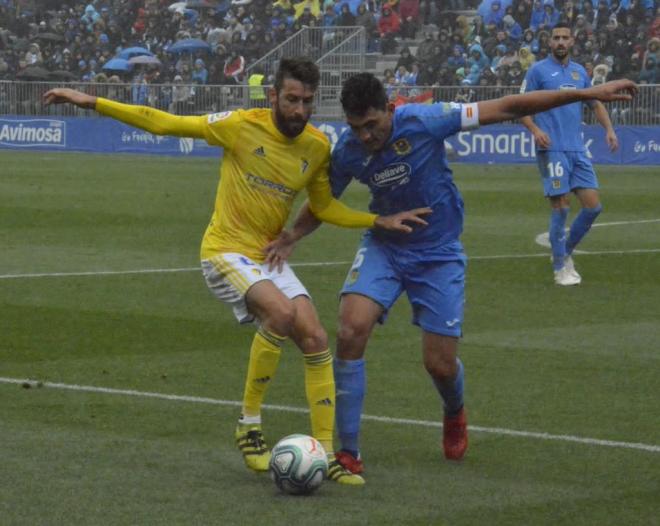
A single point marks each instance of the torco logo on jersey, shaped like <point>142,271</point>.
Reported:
<point>394,174</point>
<point>32,132</point>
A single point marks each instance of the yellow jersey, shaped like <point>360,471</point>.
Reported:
<point>261,174</point>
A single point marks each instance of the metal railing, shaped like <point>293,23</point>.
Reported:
<point>25,99</point>
<point>314,43</point>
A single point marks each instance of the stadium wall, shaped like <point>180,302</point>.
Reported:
<point>639,145</point>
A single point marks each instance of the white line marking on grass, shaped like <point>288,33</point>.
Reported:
<point>543,239</point>
<point>310,264</point>
<point>289,409</point>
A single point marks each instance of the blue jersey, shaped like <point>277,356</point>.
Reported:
<point>562,124</point>
<point>411,171</point>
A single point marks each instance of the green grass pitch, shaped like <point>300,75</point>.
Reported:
<point>562,383</point>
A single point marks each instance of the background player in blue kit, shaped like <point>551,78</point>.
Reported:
<point>400,155</point>
<point>561,154</point>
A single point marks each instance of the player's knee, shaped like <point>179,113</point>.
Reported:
<point>316,340</point>
<point>595,211</point>
<point>281,319</point>
<point>352,330</point>
<point>441,369</point>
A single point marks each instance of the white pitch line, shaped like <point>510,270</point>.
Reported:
<point>144,271</point>
<point>313,264</point>
<point>289,409</point>
<point>543,238</point>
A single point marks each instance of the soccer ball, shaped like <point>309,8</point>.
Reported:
<point>298,464</point>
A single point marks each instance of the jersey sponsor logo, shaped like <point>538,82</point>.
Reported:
<point>246,261</point>
<point>402,147</point>
<point>555,74</point>
<point>259,152</point>
<point>325,401</point>
<point>451,323</point>
<point>567,86</point>
<point>216,117</point>
<point>304,164</point>
<point>33,132</point>
<point>394,174</point>
<point>270,186</point>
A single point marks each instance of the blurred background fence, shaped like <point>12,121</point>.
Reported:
<point>25,98</point>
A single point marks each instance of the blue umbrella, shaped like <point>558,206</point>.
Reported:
<point>189,45</point>
<point>133,52</point>
<point>144,60</point>
<point>118,64</point>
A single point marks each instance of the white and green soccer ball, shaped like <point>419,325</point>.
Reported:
<point>298,464</point>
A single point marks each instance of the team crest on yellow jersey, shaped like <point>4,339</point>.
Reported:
<point>575,75</point>
<point>402,147</point>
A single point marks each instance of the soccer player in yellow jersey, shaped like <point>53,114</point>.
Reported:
<point>269,156</point>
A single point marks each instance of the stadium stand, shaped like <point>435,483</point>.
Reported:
<point>411,43</point>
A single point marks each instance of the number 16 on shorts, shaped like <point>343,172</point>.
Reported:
<point>554,171</point>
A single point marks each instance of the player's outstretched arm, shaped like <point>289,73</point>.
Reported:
<point>154,121</point>
<point>517,106</point>
<point>70,96</point>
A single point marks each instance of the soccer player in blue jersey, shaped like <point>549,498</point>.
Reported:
<point>400,155</point>
<point>561,155</point>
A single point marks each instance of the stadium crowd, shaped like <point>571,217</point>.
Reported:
<point>49,40</point>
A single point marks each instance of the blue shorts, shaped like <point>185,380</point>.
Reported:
<point>563,172</point>
<point>434,283</point>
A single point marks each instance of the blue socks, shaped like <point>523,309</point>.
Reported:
<point>581,226</point>
<point>558,236</point>
<point>451,391</point>
<point>350,385</point>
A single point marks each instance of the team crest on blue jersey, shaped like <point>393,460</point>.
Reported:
<point>575,75</point>
<point>352,276</point>
<point>402,147</point>
<point>556,184</point>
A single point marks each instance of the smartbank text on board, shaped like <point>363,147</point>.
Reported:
<point>639,145</point>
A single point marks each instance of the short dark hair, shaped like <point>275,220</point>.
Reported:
<point>561,25</point>
<point>361,92</point>
<point>298,68</point>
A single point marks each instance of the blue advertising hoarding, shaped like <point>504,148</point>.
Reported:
<point>490,144</point>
